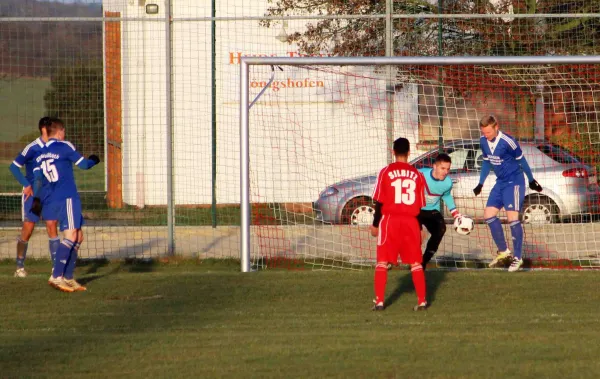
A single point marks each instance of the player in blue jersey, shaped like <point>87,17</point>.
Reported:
<point>27,159</point>
<point>55,163</point>
<point>438,187</point>
<point>503,154</point>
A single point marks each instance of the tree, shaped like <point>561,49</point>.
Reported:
<point>504,35</point>
<point>76,96</point>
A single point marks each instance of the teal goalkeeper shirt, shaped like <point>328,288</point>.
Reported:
<point>436,190</point>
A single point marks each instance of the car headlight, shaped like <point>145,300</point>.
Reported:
<point>329,191</point>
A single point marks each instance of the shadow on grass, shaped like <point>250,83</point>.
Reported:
<point>132,265</point>
<point>433,280</point>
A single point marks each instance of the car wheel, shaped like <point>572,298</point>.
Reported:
<point>539,210</point>
<point>358,211</point>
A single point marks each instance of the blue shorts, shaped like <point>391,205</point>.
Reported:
<point>508,195</point>
<point>26,214</point>
<point>68,213</point>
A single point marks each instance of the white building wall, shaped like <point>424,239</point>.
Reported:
<point>302,139</point>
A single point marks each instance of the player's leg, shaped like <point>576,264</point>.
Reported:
<point>29,220</point>
<point>50,215</point>
<point>436,226</point>
<point>410,253</point>
<point>490,214</point>
<point>71,264</point>
<point>384,241</point>
<point>65,221</point>
<point>514,196</point>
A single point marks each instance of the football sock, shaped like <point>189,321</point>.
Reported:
<point>380,281</point>
<point>62,256</point>
<point>427,257</point>
<point>70,268</point>
<point>418,277</point>
<point>53,244</point>
<point>21,252</point>
<point>516,229</point>
<point>497,232</point>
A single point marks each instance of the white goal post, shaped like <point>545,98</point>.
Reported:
<point>245,104</point>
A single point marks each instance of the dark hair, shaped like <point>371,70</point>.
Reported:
<point>401,146</point>
<point>489,120</point>
<point>443,157</point>
<point>44,123</point>
<point>55,125</point>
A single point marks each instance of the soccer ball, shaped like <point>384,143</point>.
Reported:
<point>463,225</point>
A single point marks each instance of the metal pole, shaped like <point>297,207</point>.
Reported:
<point>213,80</point>
<point>244,168</point>
<point>169,127</point>
<point>423,61</point>
<point>389,85</point>
<point>440,85</point>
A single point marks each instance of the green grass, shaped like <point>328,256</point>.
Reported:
<point>204,319</point>
<point>87,180</point>
<point>21,106</point>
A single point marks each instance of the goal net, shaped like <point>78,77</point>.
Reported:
<point>318,134</point>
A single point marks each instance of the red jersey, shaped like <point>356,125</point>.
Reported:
<point>401,190</point>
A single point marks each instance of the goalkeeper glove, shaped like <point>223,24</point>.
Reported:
<point>534,185</point>
<point>36,206</point>
<point>455,213</point>
<point>477,190</point>
<point>94,158</point>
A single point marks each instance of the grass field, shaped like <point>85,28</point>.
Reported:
<point>204,319</point>
<point>87,180</point>
<point>21,106</point>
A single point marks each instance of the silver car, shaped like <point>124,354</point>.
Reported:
<point>570,186</point>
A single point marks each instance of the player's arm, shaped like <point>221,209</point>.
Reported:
<point>486,167</point>
<point>80,161</point>
<point>38,177</point>
<point>377,195</point>
<point>450,204</point>
<point>520,158</point>
<point>15,170</point>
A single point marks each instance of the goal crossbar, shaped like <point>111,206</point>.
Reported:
<point>246,62</point>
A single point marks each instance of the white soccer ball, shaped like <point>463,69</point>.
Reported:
<point>463,225</point>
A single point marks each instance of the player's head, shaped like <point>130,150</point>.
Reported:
<point>56,129</point>
<point>489,127</point>
<point>43,124</point>
<point>401,148</point>
<point>441,166</point>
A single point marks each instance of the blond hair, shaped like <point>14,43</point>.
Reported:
<point>489,120</point>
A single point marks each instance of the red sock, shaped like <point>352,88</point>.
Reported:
<point>418,277</point>
<point>380,281</point>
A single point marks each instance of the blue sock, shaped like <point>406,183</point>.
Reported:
<point>516,229</point>
<point>70,268</point>
<point>497,232</point>
<point>53,244</point>
<point>21,252</point>
<point>62,257</point>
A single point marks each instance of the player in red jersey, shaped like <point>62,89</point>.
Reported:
<point>399,195</point>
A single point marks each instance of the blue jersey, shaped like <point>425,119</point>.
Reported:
<point>436,190</point>
<point>56,163</point>
<point>27,158</point>
<point>503,153</point>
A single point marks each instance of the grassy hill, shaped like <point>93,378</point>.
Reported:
<point>21,106</point>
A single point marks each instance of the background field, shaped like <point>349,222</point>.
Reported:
<point>21,106</point>
<point>205,319</point>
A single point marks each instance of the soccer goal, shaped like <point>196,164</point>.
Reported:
<point>314,132</point>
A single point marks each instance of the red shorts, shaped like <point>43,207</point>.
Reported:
<point>399,236</point>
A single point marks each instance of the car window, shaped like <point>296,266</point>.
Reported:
<point>558,154</point>
<point>459,159</point>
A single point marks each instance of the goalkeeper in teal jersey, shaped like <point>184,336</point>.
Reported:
<point>438,187</point>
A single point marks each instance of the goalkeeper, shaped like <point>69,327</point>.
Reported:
<point>503,153</point>
<point>438,187</point>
